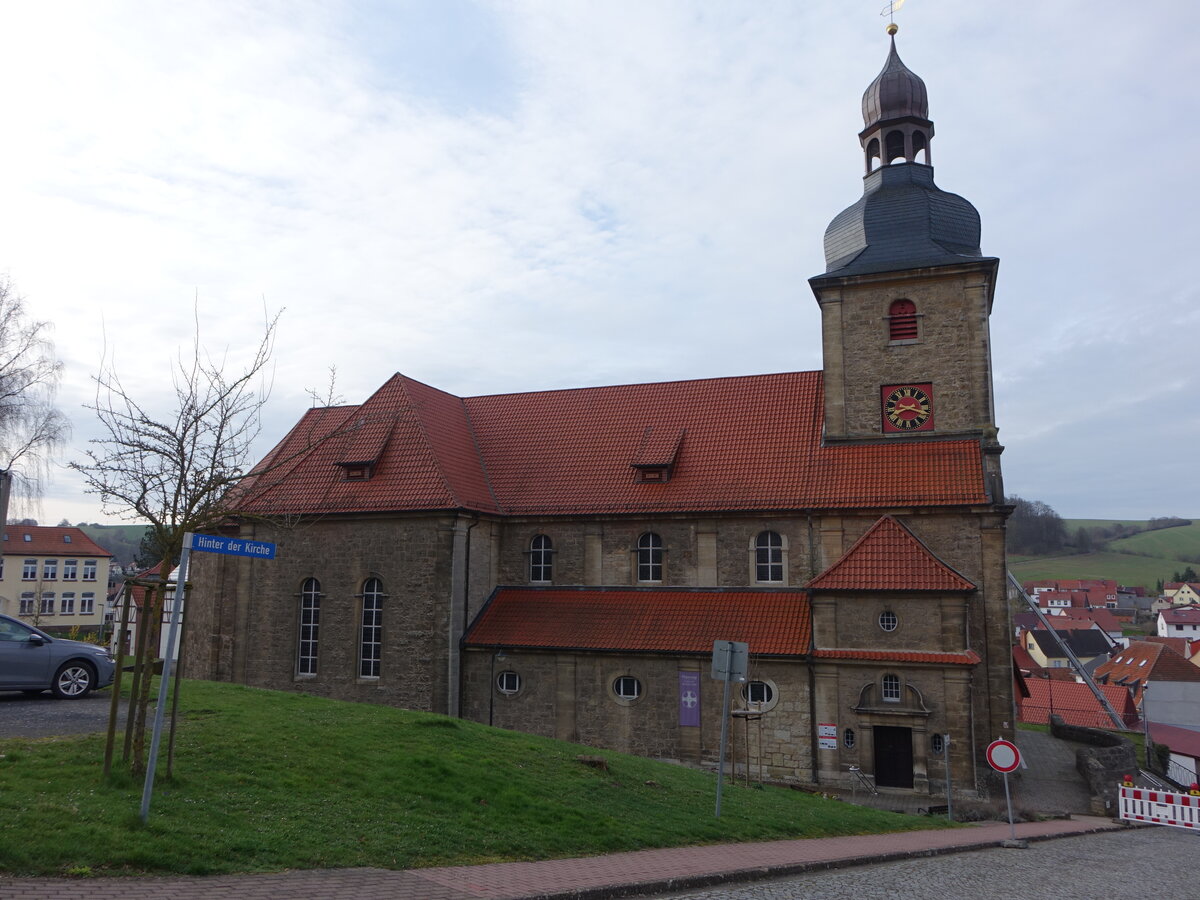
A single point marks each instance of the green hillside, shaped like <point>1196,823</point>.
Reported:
<point>1182,542</point>
<point>122,541</point>
<point>1142,559</point>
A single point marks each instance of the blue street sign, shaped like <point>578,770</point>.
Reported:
<point>207,543</point>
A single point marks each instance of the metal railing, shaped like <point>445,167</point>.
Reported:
<point>861,777</point>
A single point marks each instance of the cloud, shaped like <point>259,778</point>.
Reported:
<point>494,197</point>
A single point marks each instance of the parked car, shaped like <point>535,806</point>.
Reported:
<point>33,661</point>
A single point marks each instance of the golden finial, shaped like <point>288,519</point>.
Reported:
<point>890,10</point>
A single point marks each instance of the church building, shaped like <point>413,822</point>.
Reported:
<point>561,562</point>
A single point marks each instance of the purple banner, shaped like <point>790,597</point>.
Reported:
<point>689,699</point>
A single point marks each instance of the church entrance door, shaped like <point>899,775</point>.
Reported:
<point>893,756</point>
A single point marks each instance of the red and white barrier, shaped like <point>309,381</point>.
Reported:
<point>1160,808</point>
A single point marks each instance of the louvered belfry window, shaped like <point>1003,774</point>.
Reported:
<point>902,321</point>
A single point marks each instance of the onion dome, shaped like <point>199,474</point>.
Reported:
<point>897,92</point>
<point>903,220</point>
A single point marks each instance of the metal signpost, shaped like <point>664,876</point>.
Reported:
<point>729,664</point>
<point>207,544</point>
<point>1004,757</point>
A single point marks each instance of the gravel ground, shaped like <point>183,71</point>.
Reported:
<point>43,715</point>
<point>1151,861</point>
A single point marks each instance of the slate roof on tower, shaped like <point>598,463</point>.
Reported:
<point>738,443</point>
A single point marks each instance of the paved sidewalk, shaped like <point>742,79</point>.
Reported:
<point>616,875</point>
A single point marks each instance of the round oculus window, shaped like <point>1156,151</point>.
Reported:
<point>888,620</point>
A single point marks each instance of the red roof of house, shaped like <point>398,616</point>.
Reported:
<point>735,443</point>
<point>1023,660</point>
<point>45,540</point>
<point>888,557</point>
<point>1075,703</point>
<point>1181,645</point>
<point>1184,741</point>
<point>773,623</point>
<point>1144,661</point>
<point>1183,615</point>
<point>1102,617</point>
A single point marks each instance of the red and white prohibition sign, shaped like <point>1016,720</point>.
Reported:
<point>1003,756</point>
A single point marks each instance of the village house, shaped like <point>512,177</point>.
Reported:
<point>561,562</point>
<point>55,578</point>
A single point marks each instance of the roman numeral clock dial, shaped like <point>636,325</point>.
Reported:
<point>907,408</point>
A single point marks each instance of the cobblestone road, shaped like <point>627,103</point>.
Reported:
<point>1145,862</point>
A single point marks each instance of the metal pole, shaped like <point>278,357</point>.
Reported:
<point>115,702</point>
<point>949,786</point>
<point>164,683</point>
<point>724,728</point>
<point>1012,829</point>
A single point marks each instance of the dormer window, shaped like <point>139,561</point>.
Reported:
<point>655,458</point>
<point>356,471</point>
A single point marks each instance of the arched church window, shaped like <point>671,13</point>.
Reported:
<point>768,557</point>
<point>894,143</point>
<point>310,624</point>
<point>649,556</point>
<point>902,321</point>
<point>371,634</point>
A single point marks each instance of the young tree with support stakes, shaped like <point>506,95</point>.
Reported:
<point>174,469</point>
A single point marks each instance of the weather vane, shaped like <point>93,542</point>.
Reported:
<point>890,10</point>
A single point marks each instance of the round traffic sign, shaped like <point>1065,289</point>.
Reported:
<point>1003,756</point>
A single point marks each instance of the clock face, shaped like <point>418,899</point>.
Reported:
<point>907,407</point>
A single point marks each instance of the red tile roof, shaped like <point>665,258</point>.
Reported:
<point>1023,660</point>
<point>1181,740</point>
<point>889,557</point>
<point>1076,704</point>
<point>45,540</point>
<point>963,658</point>
<point>737,443</point>
<point>1102,617</point>
<point>773,623</point>
<point>1144,661</point>
<point>1184,615</point>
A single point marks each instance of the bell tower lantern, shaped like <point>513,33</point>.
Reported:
<point>906,293</point>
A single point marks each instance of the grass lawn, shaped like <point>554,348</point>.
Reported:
<point>267,780</point>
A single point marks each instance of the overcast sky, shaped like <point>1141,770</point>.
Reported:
<point>512,196</point>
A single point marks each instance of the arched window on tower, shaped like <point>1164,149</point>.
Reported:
<point>902,321</point>
<point>873,161</point>
<point>920,148</point>
<point>894,146</point>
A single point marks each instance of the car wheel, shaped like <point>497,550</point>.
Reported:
<point>73,680</point>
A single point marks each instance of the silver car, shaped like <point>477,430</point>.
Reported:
<point>33,661</point>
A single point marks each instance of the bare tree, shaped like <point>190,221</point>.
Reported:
<point>175,469</point>
<point>31,426</point>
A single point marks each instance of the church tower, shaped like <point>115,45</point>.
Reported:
<point>906,293</point>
